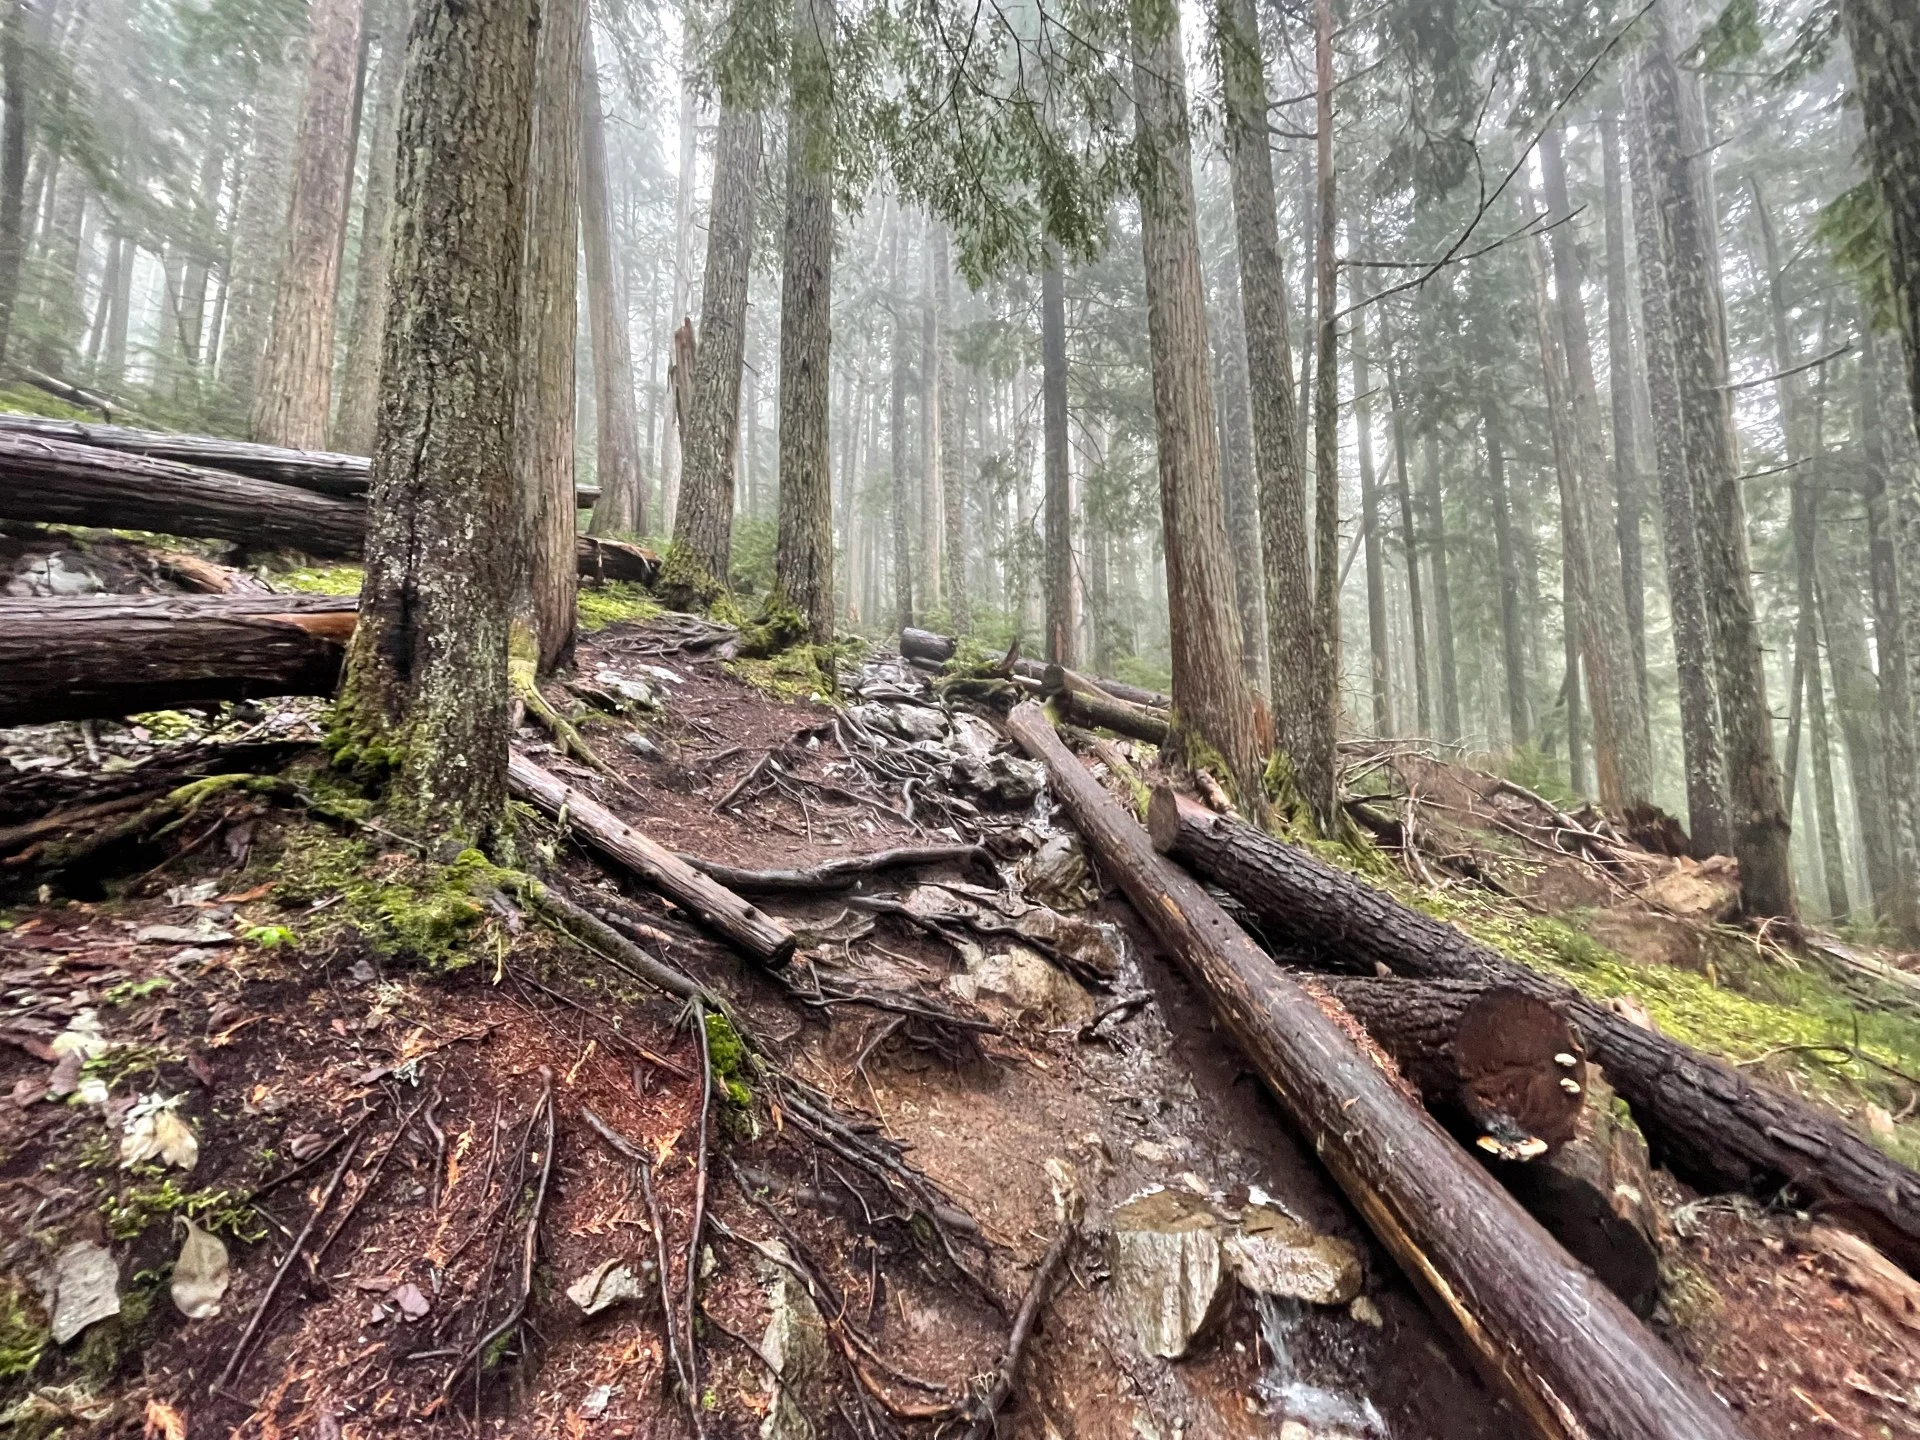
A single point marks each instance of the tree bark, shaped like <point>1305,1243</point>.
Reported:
<point>1214,710</point>
<point>803,559</point>
<point>1238,475</point>
<point>1513,645</point>
<point>1378,642</point>
<point>682,289</point>
<point>353,421</point>
<point>1706,1121</point>
<point>932,570</point>
<point>1292,625</point>
<point>1856,696</point>
<point>425,701</point>
<point>930,649</point>
<point>1627,506</point>
<point>105,656</point>
<point>319,471</point>
<point>1059,479</point>
<point>1677,155</point>
<point>701,559</point>
<point>1559,1346</point>
<point>549,332</point>
<point>901,381</point>
<point>622,509</point>
<point>953,511</point>
<point>1084,702</point>
<point>1436,507</point>
<point>1326,441</point>
<point>13,161</point>
<point>1409,537</point>
<point>294,397</point>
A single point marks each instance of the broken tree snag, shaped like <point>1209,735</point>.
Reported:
<point>1705,1121</point>
<point>1552,1338</point>
<point>841,873</point>
<point>725,913</point>
<point>1501,1067</point>
<point>53,482</point>
<point>320,471</point>
<point>103,656</point>
<point>1086,704</point>
<point>601,559</point>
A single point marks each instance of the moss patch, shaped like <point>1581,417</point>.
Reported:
<point>728,1060</point>
<point>322,580</point>
<point>130,1211</point>
<point>612,603</point>
<point>24,1331</point>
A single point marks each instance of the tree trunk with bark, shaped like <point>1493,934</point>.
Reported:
<point>1059,477</point>
<point>1677,156</point>
<point>700,561</point>
<point>1856,698</point>
<point>14,64</point>
<point>293,401</point>
<point>900,382</point>
<point>953,510</point>
<point>1326,439</point>
<point>803,560</point>
<point>1238,475</point>
<point>425,701</point>
<point>1620,372</point>
<point>622,509</point>
<point>1409,537</point>
<point>1293,639</point>
<point>1378,641</point>
<point>1215,713</point>
<point>932,566</point>
<point>359,406</point>
<point>1435,504</point>
<point>1513,647</point>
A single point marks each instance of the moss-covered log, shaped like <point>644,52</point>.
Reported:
<point>1085,702</point>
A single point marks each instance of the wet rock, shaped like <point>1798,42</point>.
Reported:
<point>917,722</point>
<point>795,1345</point>
<point>1057,874</point>
<point>65,572</point>
<point>608,1283</point>
<point>1022,984</point>
<point>1088,948</point>
<point>1168,1264</point>
<point>1000,778</point>
<point>86,1288</point>
<point>878,718</point>
<point>626,689</point>
<point>1273,1254</point>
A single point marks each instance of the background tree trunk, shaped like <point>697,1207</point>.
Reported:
<point>1370,521</point>
<point>292,404</point>
<point>424,701</point>
<point>1409,537</point>
<point>671,441</point>
<point>803,560</point>
<point>1059,499</point>
<point>901,381</point>
<point>1434,502</point>
<point>1321,781</point>
<point>622,509</point>
<point>932,568</point>
<point>1513,646</point>
<point>953,546</point>
<point>1626,441</point>
<point>13,161</point>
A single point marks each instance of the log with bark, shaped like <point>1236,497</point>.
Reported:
<point>1544,1330</point>
<point>109,655</point>
<point>1705,1120</point>
<point>57,482</point>
<point>744,926</point>
<point>1084,703</point>
<point>603,559</point>
<point>839,874</point>
<point>930,649</point>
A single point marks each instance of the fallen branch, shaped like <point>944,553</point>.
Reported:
<point>1543,1330</point>
<point>1023,1325</point>
<point>840,873</point>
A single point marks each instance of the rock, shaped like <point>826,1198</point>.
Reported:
<point>607,1284</point>
<point>86,1288</point>
<point>640,745</point>
<point>63,573</point>
<point>622,687</point>
<point>1168,1263</point>
<point>1273,1254</point>
<point>795,1345</point>
<point>876,717</point>
<point>1057,874</point>
<point>999,778</point>
<point>1022,983</point>
<point>200,1274</point>
<point>1363,1309</point>
<point>917,722</point>
<point>202,933</point>
<point>1090,949</point>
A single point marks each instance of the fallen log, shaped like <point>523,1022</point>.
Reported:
<point>1084,703</point>
<point>720,909</point>
<point>840,873</point>
<point>1705,1121</point>
<point>1495,1064</point>
<point>1544,1331</point>
<point>55,482</point>
<point>931,649</point>
<point>204,577</point>
<point>603,559</point>
<point>109,655</point>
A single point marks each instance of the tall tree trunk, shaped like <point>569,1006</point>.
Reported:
<point>932,533</point>
<point>672,440</point>
<point>259,236</point>
<point>13,161</point>
<point>1856,696</point>
<point>901,380</point>
<point>698,565</point>
<point>1622,746</point>
<point>62,320</point>
<point>1409,536</point>
<point>549,329</point>
<point>292,404</point>
<point>1292,626</point>
<point>1242,485</point>
<point>201,250</point>
<point>803,560</point>
<point>1214,710</point>
<point>1513,646</point>
<point>622,507</point>
<point>353,421</point>
<point>119,303</point>
<point>1059,480</point>
<point>1326,440</point>
<point>424,699</point>
<point>1379,653</point>
<point>1436,508</point>
<point>1701,746</point>
<point>1678,154</point>
<point>953,545</point>
<point>1627,502</point>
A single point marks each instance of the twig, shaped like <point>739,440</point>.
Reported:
<point>666,1297</point>
<point>1023,1323</point>
<point>699,1191</point>
<point>744,781</point>
<point>333,1233</point>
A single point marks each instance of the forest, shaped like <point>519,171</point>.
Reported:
<point>906,718</point>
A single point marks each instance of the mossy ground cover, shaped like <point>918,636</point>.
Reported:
<point>322,579</point>
<point>614,602</point>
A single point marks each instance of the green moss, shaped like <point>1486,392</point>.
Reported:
<point>129,1212</point>
<point>612,603</point>
<point>165,725</point>
<point>685,583</point>
<point>795,674</point>
<point>322,579</point>
<point>24,1332</point>
<point>728,1059</point>
<point>31,400</point>
<point>777,629</point>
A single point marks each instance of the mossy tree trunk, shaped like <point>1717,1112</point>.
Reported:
<point>1215,713</point>
<point>1319,781</point>
<point>697,565</point>
<point>424,701</point>
<point>549,328</point>
<point>622,508</point>
<point>803,554</point>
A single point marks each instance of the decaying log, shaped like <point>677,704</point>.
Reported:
<point>725,913</point>
<point>1084,703</point>
<point>1573,1359</point>
<point>1499,1066</point>
<point>602,559</point>
<point>55,482</point>
<point>928,648</point>
<point>840,873</point>
<point>107,655</point>
<point>205,577</point>
<point>1706,1121</point>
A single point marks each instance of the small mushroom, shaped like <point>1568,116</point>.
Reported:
<point>1570,1085</point>
<point>1565,1061</point>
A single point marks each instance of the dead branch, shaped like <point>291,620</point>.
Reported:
<point>839,873</point>
<point>1023,1326</point>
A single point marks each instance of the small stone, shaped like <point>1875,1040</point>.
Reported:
<point>1294,1430</point>
<point>1153,1152</point>
<point>86,1288</point>
<point>608,1283</point>
<point>1362,1308</point>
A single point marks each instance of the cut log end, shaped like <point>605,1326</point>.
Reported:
<point>1523,1074</point>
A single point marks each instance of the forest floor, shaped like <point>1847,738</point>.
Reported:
<point>276,1027</point>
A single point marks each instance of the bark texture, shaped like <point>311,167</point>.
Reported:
<point>292,405</point>
<point>320,471</point>
<point>622,509</point>
<point>1059,479</point>
<point>13,161</point>
<point>953,507</point>
<point>425,698</point>
<point>1627,505</point>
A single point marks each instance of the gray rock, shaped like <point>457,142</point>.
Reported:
<point>1273,1254</point>
<point>999,778</point>
<point>1168,1264</point>
<point>86,1288</point>
<point>795,1344</point>
<point>1022,984</point>
<point>1057,874</point>
<point>622,687</point>
<point>608,1283</point>
<point>917,722</point>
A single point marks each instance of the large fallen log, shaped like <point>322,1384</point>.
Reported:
<point>108,655</point>
<point>931,649</point>
<point>749,929</point>
<point>1572,1358</point>
<point>57,482</point>
<point>1084,702</point>
<point>1706,1121</point>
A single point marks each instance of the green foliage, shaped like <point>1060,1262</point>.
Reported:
<point>1854,228</point>
<point>616,602</point>
<point>728,1059</point>
<point>24,1330</point>
<point>1539,773</point>
<point>128,1212</point>
<point>31,400</point>
<point>268,937</point>
<point>755,538</point>
<point>130,990</point>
